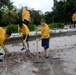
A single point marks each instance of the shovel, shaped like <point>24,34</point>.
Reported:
<point>38,60</point>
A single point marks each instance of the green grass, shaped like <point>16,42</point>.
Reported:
<point>56,25</point>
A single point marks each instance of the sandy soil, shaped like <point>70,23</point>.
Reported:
<point>61,58</point>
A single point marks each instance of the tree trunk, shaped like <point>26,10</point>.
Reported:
<point>9,18</point>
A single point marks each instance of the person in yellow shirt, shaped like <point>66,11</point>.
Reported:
<point>74,20</point>
<point>3,35</point>
<point>45,36</point>
<point>22,28</point>
<point>26,16</point>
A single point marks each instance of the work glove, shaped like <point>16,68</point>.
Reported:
<point>24,41</point>
<point>5,49</point>
<point>37,40</point>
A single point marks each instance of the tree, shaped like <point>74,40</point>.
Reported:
<point>2,4</point>
<point>10,13</point>
<point>36,16</point>
<point>48,17</point>
<point>19,13</point>
<point>63,10</point>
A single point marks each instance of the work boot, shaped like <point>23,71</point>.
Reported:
<point>1,60</point>
<point>46,59</point>
<point>1,53</point>
<point>23,48</point>
<point>28,51</point>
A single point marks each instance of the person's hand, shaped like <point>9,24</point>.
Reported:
<point>37,40</point>
<point>24,41</point>
<point>73,20</point>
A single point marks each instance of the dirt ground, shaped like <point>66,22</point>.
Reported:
<point>62,59</point>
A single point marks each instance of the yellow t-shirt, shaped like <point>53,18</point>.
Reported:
<point>45,31</point>
<point>25,30</point>
<point>26,15</point>
<point>74,17</point>
<point>2,36</point>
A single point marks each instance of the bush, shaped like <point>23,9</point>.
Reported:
<point>56,25</point>
<point>32,27</point>
<point>12,28</point>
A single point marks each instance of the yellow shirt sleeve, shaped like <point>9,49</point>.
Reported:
<point>2,36</point>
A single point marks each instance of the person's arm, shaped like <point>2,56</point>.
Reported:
<point>3,45</point>
<point>30,19</point>
<point>19,31</point>
<point>23,16</point>
<point>42,37</point>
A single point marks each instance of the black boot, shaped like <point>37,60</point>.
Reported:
<point>1,53</point>
<point>1,60</point>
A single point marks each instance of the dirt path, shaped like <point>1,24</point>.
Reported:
<point>62,59</point>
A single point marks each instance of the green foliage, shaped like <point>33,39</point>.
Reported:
<point>36,16</point>
<point>4,3</point>
<point>48,17</point>
<point>56,25</point>
<point>12,28</point>
<point>32,27</point>
<point>63,10</point>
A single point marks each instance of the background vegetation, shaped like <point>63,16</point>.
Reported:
<point>62,12</point>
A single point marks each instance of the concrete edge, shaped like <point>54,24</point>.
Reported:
<point>19,39</point>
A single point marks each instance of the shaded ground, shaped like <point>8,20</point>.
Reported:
<point>62,59</point>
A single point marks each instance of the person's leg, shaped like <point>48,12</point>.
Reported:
<point>46,53</point>
<point>23,44</point>
<point>75,24</point>
<point>45,45</point>
<point>27,45</point>
<point>27,42</point>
